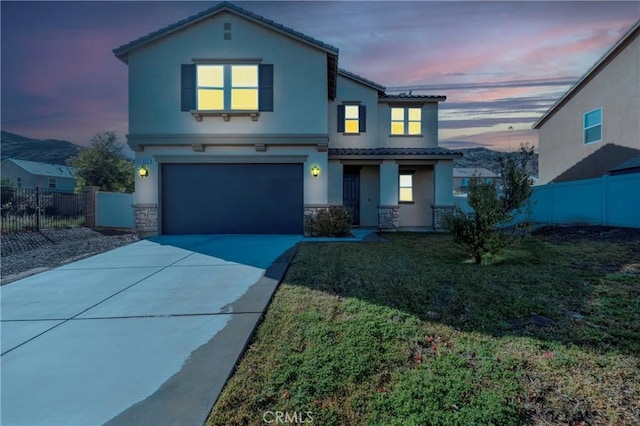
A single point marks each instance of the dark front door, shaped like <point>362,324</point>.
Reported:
<point>351,194</point>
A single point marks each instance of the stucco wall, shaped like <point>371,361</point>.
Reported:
<point>300,80</point>
<point>617,91</point>
<point>428,139</point>
<point>419,213</point>
<point>350,91</point>
<point>315,188</point>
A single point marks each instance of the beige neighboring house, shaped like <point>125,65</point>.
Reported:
<point>462,176</point>
<point>595,125</point>
<point>32,174</point>
<point>243,125</point>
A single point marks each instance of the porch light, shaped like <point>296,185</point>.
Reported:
<point>143,172</point>
<point>315,171</point>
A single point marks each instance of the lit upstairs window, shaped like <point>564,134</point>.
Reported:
<point>244,87</point>
<point>210,87</point>
<point>406,121</point>
<point>351,119</point>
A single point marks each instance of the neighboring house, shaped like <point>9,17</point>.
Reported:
<point>31,174</point>
<point>244,126</point>
<point>595,125</point>
<point>630,166</point>
<point>462,176</point>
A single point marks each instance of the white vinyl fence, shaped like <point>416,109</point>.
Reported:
<point>607,200</point>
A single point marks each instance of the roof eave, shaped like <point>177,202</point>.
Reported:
<point>359,79</point>
<point>123,51</point>
<point>607,57</point>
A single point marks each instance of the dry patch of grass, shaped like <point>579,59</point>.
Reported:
<point>409,332</point>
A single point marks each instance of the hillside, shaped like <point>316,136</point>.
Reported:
<point>482,157</point>
<point>46,151</point>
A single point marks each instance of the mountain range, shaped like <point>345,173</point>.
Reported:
<point>57,152</point>
<point>51,151</point>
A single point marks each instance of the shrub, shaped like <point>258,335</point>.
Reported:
<point>332,222</point>
<point>486,230</point>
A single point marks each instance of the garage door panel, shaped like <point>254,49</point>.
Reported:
<point>232,198</point>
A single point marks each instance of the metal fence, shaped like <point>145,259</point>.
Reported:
<point>32,209</point>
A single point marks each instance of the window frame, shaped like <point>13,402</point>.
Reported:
<point>410,186</point>
<point>347,119</point>
<point>210,88</point>
<point>228,87</point>
<point>52,183</point>
<point>586,128</point>
<point>406,120</point>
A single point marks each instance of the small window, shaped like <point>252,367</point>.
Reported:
<point>244,87</point>
<point>52,182</point>
<point>351,119</point>
<point>593,126</point>
<point>406,121</point>
<point>210,87</point>
<point>406,188</point>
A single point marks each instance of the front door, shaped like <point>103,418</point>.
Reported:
<point>351,193</point>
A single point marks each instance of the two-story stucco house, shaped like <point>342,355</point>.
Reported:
<point>595,125</point>
<point>244,126</point>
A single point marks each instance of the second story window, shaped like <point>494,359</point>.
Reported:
<point>222,89</point>
<point>210,87</point>
<point>406,121</point>
<point>352,119</point>
<point>593,126</point>
<point>244,87</point>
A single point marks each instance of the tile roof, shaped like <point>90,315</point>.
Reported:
<point>632,163</point>
<point>122,51</point>
<point>360,79</point>
<point>436,151</point>
<point>473,171</point>
<point>404,96</point>
<point>44,169</point>
<point>604,60</point>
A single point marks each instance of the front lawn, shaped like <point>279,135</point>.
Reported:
<point>410,333</point>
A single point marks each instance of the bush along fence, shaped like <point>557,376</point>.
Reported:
<point>32,209</point>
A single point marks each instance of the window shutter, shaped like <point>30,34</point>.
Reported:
<point>188,87</point>
<point>265,87</point>
<point>362,115</point>
<point>340,118</point>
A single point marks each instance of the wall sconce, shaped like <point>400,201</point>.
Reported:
<point>315,171</point>
<point>143,172</point>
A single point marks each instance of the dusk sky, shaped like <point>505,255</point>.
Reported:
<point>500,64</point>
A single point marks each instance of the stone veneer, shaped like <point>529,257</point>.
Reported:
<point>388,218</point>
<point>146,219</point>
<point>90,206</point>
<point>438,212</point>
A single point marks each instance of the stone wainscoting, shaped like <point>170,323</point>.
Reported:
<point>388,218</point>
<point>438,212</point>
<point>146,219</point>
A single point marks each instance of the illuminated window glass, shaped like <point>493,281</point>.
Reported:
<point>244,87</point>
<point>351,119</point>
<point>406,188</point>
<point>406,121</point>
<point>210,80</point>
<point>397,121</point>
<point>414,121</point>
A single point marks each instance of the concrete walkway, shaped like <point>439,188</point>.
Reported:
<point>146,334</point>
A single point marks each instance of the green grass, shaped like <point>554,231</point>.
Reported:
<point>410,332</point>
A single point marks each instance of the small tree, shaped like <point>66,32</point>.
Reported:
<point>487,229</point>
<point>103,164</point>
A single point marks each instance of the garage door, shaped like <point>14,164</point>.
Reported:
<point>232,199</point>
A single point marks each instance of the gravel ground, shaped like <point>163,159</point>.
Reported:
<point>27,253</point>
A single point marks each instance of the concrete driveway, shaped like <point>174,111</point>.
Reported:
<point>146,334</point>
